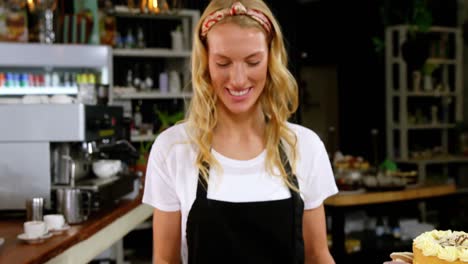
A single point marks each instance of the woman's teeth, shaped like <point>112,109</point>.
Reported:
<point>238,93</point>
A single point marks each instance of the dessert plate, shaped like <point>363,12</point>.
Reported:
<point>35,240</point>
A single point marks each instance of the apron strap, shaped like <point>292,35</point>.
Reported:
<point>298,207</point>
<point>202,185</point>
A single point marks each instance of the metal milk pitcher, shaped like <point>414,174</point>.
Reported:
<point>74,204</point>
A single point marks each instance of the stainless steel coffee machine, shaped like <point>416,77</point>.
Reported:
<point>46,147</point>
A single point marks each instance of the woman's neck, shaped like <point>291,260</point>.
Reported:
<point>234,125</point>
<point>240,136</point>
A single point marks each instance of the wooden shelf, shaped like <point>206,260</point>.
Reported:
<point>426,126</point>
<point>151,52</point>
<point>431,29</point>
<point>441,61</point>
<point>435,160</point>
<point>390,196</point>
<point>426,94</point>
<point>135,13</point>
<point>151,95</point>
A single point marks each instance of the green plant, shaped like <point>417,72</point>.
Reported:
<point>429,68</point>
<point>419,19</point>
<point>167,119</point>
<point>388,165</point>
<point>144,150</point>
<point>379,45</point>
<point>422,17</point>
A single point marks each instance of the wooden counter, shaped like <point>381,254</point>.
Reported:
<point>390,196</point>
<point>338,205</point>
<point>79,244</point>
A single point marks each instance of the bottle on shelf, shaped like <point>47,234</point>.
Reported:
<point>129,40</point>
<point>119,40</point>
<point>55,79</point>
<point>379,229</point>
<point>66,79</point>
<point>137,117</point>
<point>174,82</point>
<point>129,78</point>
<point>163,82</point>
<point>148,77</point>
<point>48,79</point>
<point>2,79</point>
<point>177,39</point>
<point>136,77</point>
<point>74,79</point>
<point>86,88</point>
<point>140,38</point>
<point>23,80</point>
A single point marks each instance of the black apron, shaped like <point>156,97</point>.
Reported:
<point>246,232</point>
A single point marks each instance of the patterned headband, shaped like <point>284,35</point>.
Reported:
<point>235,10</point>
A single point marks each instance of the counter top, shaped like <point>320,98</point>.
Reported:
<point>73,246</point>
<point>390,196</point>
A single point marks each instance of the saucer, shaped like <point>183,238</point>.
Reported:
<point>59,230</point>
<point>34,240</point>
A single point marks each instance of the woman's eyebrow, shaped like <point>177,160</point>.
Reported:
<point>220,55</point>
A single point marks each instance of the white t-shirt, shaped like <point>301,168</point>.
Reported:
<point>171,175</point>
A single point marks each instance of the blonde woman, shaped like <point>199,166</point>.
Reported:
<point>236,182</point>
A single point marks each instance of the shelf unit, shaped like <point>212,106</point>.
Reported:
<point>171,59</point>
<point>175,59</point>
<point>443,98</point>
<point>151,52</point>
<point>39,58</point>
<point>134,95</point>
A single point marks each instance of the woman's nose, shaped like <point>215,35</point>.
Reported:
<point>238,76</point>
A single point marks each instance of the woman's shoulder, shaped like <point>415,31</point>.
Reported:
<point>304,135</point>
<point>173,135</point>
<point>176,131</point>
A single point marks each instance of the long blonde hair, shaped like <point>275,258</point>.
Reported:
<point>279,99</point>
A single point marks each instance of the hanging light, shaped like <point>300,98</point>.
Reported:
<point>154,6</point>
<point>31,5</point>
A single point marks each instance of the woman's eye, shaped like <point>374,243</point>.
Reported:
<point>253,63</point>
<point>225,64</point>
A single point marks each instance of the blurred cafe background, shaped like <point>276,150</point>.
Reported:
<point>87,85</point>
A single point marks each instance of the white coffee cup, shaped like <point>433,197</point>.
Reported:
<point>35,229</point>
<point>54,221</point>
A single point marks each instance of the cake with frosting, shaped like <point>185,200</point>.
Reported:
<point>441,247</point>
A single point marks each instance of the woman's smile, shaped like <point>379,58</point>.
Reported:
<point>239,93</point>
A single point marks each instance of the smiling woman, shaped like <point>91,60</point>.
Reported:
<point>238,72</point>
<point>236,182</point>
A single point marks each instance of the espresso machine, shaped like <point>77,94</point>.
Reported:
<point>45,149</point>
